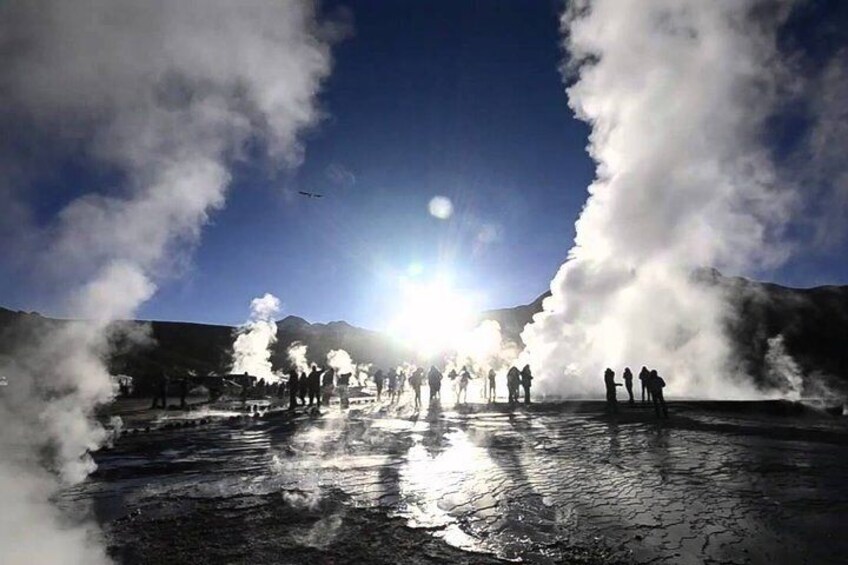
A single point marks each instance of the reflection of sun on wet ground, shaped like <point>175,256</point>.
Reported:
<point>528,484</point>
<point>437,483</point>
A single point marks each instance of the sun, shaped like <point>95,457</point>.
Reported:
<point>431,316</point>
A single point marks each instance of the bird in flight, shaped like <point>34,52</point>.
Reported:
<point>310,194</point>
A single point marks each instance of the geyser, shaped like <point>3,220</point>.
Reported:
<point>252,346</point>
<point>163,96</point>
<point>677,94</point>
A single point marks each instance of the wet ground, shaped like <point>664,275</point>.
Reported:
<point>552,482</point>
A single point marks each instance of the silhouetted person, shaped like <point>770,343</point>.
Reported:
<point>491,391</point>
<point>644,377</point>
<point>392,385</point>
<point>344,383</point>
<point>628,384</point>
<point>294,388</point>
<point>327,386</point>
<point>526,380</point>
<point>513,378</point>
<point>656,384</point>
<point>303,387</point>
<point>464,379</point>
<point>183,393</point>
<point>415,381</point>
<point>161,391</point>
<point>609,382</point>
<point>452,375</point>
<point>378,382</point>
<point>434,379</point>
<point>314,385</point>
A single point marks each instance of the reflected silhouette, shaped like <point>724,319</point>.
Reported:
<point>613,432</point>
<point>434,438</point>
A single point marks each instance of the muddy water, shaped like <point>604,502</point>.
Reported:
<point>552,482</point>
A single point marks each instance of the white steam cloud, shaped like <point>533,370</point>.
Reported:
<point>483,348</point>
<point>782,372</point>
<point>676,93</point>
<point>162,96</point>
<point>340,360</point>
<point>252,347</point>
<point>296,353</point>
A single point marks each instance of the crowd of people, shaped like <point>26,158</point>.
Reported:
<point>317,387</point>
<point>652,389</point>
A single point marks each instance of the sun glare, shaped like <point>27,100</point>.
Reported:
<point>431,316</point>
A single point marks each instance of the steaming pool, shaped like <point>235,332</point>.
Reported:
<point>753,482</point>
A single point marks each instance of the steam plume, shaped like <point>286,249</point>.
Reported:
<point>296,353</point>
<point>340,360</point>
<point>483,348</point>
<point>162,95</point>
<point>251,349</point>
<point>676,93</point>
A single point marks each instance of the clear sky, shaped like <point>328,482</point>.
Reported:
<point>454,98</point>
<point>463,100</point>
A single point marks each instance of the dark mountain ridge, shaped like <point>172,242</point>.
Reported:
<point>813,324</point>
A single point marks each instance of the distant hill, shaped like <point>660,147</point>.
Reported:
<point>188,348</point>
<point>513,320</point>
<point>813,322</point>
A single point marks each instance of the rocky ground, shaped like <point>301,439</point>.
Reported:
<point>552,482</point>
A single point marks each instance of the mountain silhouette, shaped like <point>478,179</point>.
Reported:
<point>813,324</point>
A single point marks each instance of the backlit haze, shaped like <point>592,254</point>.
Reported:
<point>445,148</point>
<point>403,166</point>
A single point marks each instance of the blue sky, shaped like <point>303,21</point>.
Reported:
<point>454,98</point>
<point>464,101</point>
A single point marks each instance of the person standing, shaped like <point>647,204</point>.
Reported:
<point>644,378</point>
<point>161,391</point>
<point>628,384</point>
<point>344,384</point>
<point>401,382</point>
<point>294,388</point>
<point>434,379</point>
<point>656,384</point>
<point>378,382</point>
<point>526,380</point>
<point>327,386</point>
<point>392,386</point>
<point>415,381</point>
<point>464,379</point>
<point>314,385</point>
<point>610,384</point>
<point>302,387</point>
<point>512,382</point>
<point>491,391</point>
